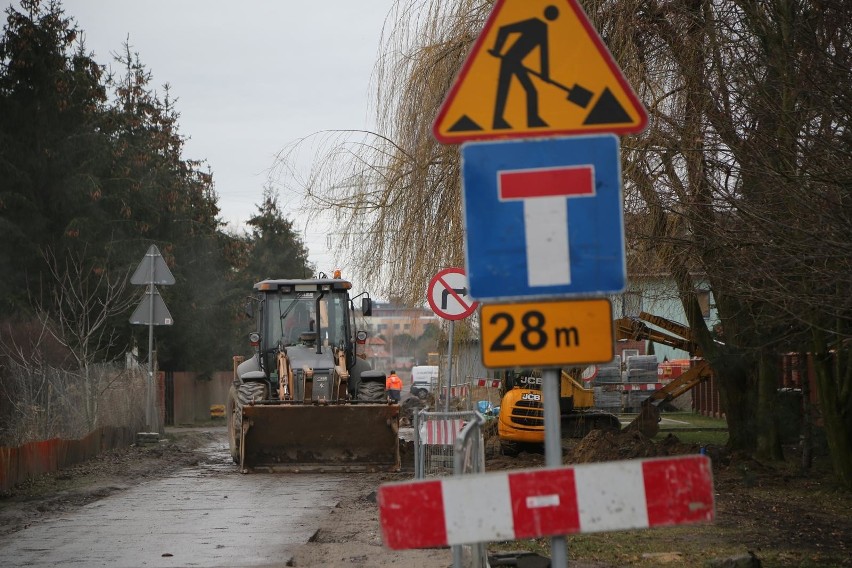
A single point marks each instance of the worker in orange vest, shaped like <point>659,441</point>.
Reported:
<point>393,385</point>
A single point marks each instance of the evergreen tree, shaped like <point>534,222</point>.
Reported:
<point>51,97</point>
<point>82,174</point>
<point>277,251</point>
<point>156,195</point>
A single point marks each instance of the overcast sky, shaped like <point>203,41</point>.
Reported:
<point>250,76</point>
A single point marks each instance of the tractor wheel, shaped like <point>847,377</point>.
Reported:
<point>371,391</point>
<point>235,422</point>
<point>238,397</point>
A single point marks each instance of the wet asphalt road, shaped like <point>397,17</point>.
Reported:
<point>209,515</point>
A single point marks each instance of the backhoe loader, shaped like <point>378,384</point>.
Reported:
<point>521,419</point>
<point>305,400</point>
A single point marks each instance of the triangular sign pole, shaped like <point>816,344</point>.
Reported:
<point>152,270</point>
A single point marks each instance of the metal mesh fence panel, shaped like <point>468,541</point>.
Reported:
<point>469,458</point>
<point>434,439</point>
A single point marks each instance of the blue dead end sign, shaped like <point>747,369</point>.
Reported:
<point>543,218</point>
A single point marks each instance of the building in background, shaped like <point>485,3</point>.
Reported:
<point>402,329</point>
<point>388,320</point>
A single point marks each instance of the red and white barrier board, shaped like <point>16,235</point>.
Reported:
<point>441,432</point>
<point>488,383</point>
<point>546,502</point>
<point>631,387</point>
<point>457,391</point>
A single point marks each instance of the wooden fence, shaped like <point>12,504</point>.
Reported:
<point>37,458</point>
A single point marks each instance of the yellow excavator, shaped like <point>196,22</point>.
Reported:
<point>520,423</point>
<point>305,400</point>
<point>521,418</point>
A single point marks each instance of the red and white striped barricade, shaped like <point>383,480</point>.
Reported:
<point>544,502</point>
<point>630,387</point>
<point>487,383</point>
<point>458,391</point>
<point>441,432</point>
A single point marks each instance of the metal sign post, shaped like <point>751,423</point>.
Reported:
<point>449,367</point>
<point>553,449</point>
<point>151,311</point>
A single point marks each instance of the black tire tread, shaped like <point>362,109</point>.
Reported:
<point>371,392</point>
<point>244,394</point>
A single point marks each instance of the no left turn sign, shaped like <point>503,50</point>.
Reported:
<point>448,295</point>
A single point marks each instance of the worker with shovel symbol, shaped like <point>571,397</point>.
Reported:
<point>532,35</point>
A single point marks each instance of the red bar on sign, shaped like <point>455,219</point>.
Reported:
<point>678,491</point>
<point>563,181</point>
<point>412,515</point>
<point>544,503</point>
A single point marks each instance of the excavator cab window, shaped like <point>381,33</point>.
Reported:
<point>293,317</point>
<point>296,314</point>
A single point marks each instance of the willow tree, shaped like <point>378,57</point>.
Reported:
<point>742,176</point>
<point>394,194</point>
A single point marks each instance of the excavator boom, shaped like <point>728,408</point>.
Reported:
<point>648,420</point>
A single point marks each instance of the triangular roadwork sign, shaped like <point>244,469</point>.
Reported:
<point>161,314</point>
<point>153,269</point>
<point>538,68</point>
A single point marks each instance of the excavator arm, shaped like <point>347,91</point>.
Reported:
<point>675,335</point>
<point>648,421</point>
<point>635,328</point>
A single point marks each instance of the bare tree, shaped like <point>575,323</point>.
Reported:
<point>394,194</point>
<point>85,301</point>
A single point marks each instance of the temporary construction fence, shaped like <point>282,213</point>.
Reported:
<point>450,443</point>
<point>434,439</point>
<point>460,398</point>
<point>469,458</point>
<point>437,436</point>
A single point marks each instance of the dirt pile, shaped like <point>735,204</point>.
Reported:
<point>601,445</point>
<point>597,446</point>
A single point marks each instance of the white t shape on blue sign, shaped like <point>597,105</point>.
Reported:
<point>543,218</point>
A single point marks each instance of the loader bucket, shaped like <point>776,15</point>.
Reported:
<point>317,438</point>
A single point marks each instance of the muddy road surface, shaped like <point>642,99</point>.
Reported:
<point>201,512</point>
